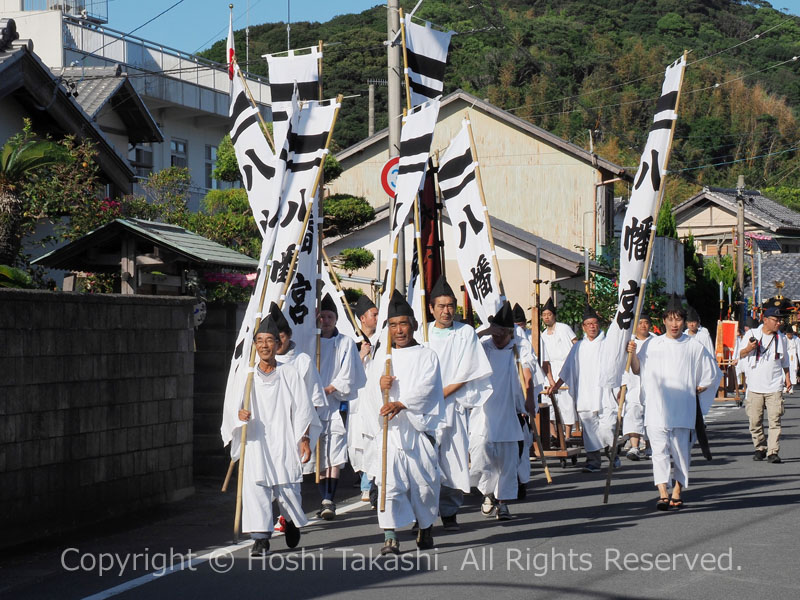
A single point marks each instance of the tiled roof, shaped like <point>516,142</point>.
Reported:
<point>757,208</point>
<point>779,267</point>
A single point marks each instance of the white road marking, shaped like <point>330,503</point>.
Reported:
<point>198,560</point>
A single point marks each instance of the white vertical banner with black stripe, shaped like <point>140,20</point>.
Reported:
<point>415,146</point>
<point>426,54</point>
<point>296,66</point>
<point>469,221</point>
<point>306,151</point>
<point>261,168</point>
<point>640,219</point>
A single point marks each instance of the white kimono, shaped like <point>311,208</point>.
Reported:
<point>359,440</point>
<point>340,366</point>
<point>794,357</point>
<point>461,360</point>
<point>703,337</point>
<point>412,470</point>
<point>308,371</point>
<point>671,370</point>
<point>281,413</point>
<point>633,411</point>
<point>597,406</point>
<point>557,345</point>
<point>495,430</point>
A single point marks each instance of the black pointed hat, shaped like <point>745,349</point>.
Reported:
<point>519,314</point>
<point>363,305</point>
<point>328,304</point>
<point>692,314</point>
<point>399,306</point>
<point>589,313</point>
<point>674,304</point>
<point>277,316</point>
<point>504,316</point>
<point>549,306</point>
<point>269,326</point>
<point>441,288</point>
<point>646,316</point>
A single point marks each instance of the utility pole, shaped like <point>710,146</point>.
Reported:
<point>371,117</point>
<point>740,234</point>
<point>394,77</point>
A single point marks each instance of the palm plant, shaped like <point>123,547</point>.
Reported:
<point>19,158</point>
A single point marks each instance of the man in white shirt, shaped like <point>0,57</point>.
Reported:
<point>557,340</point>
<point>465,372</point>
<point>767,356</point>
<point>677,376</point>
<point>696,331</point>
<point>794,352</point>
<point>633,412</point>
<point>597,406</point>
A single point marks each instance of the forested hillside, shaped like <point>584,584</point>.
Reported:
<point>572,66</point>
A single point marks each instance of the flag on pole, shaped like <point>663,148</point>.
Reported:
<point>415,145</point>
<point>640,219</point>
<point>230,51</point>
<point>284,73</point>
<point>426,54</point>
<point>469,219</point>
<point>343,323</point>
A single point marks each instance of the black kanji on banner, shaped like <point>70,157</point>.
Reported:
<point>636,238</point>
<point>627,305</point>
<point>481,282</point>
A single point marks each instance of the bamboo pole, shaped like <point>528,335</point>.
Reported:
<point>496,264</point>
<point>287,283</point>
<point>387,371</point>
<point>318,223</point>
<point>338,285</point>
<point>640,300</point>
<point>405,59</point>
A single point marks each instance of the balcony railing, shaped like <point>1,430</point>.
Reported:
<point>105,45</point>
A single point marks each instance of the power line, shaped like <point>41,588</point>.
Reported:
<point>732,162</point>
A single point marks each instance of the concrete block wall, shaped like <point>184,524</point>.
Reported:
<point>96,407</point>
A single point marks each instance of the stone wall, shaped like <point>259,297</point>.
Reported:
<point>96,407</point>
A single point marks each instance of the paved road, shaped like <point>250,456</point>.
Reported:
<point>736,538</point>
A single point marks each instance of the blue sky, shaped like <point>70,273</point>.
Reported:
<point>194,25</point>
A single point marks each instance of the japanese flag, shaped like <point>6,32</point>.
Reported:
<point>230,51</point>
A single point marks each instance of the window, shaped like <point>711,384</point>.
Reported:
<point>178,153</point>
<point>142,159</point>
<point>211,163</point>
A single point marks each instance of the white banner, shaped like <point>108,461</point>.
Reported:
<point>415,145</point>
<point>284,72</point>
<point>414,295</point>
<point>640,219</point>
<point>300,307</point>
<point>469,220</point>
<point>261,169</point>
<point>426,53</point>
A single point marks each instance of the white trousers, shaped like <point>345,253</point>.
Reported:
<point>494,467</point>
<point>632,418</point>
<point>453,450</point>
<point>566,408</point>
<point>670,446</point>
<point>412,487</point>
<point>332,446</point>
<point>257,501</point>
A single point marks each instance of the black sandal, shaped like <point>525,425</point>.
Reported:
<point>662,504</point>
<point>675,503</point>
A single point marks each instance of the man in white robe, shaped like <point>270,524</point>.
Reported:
<point>633,411</point>
<point>342,374</point>
<point>282,425</point>
<point>415,410</point>
<point>465,374</point>
<point>597,406</point>
<point>496,426</point>
<point>676,376</point>
<point>696,331</point>
<point>357,442</point>
<point>521,323</point>
<point>767,356</point>
<point>557,340</point>
<point>793,344</point>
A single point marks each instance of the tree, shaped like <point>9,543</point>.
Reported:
<point>343,213</point>
<point>20,158</point>
<point>227,168</point>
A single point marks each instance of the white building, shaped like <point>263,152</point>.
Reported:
<point>186,95</point>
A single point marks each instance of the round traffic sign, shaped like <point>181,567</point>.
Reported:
<point>389,176</point>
